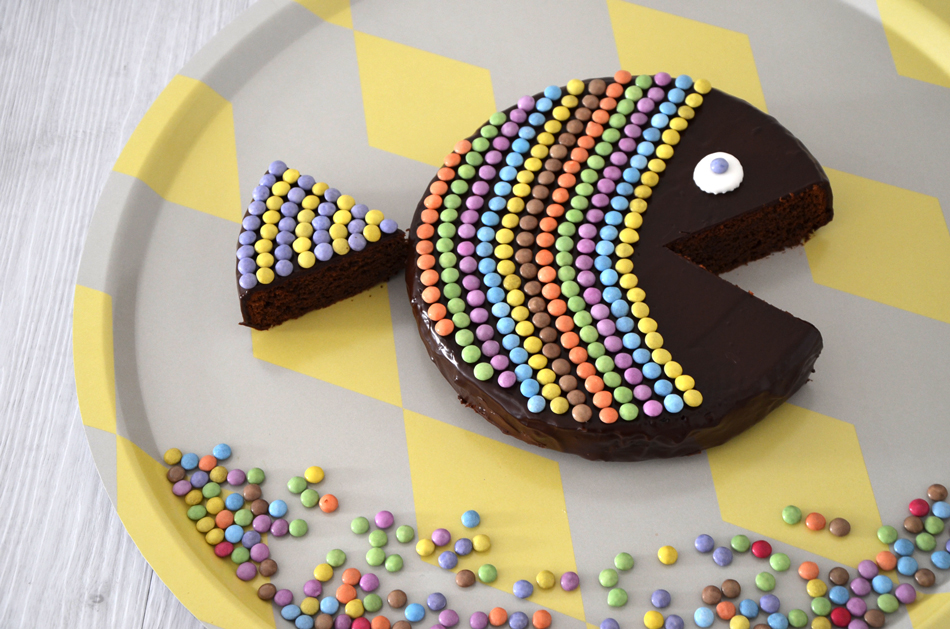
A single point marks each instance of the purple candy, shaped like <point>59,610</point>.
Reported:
<point>287,224</point>
<point>656,94</point>
<point>436,626</point>
<point>600,312</point>
<point>342,621</point>
<point>600,200</point>
<point>642,392</point>
<point>388,226</point>
<point>475,298</point>
<point>584,262</point>
<point>283,597</point>
<point>586,278</point>
<point>384,519</point>
<point>673,622</point>
<point>500,363</point>
<point>722,555</point>
<point>251,223</point>
<point>250,538</point>
<point>652,408</point>
<point>606,326</point>
<point>247,265</point>
<point>509,129</point>
<point>470,217</point>
<point>199,479</point>
<point>856,606</point>
<point>478,620</point>
<point>861,586</point>
<point>468,264</point>
<point>594,216</point>
<point>492,157</point>
<point>518,115</point>
<point>262,523</point>
<point>277,168</point>
<point>463,546</point>
<point>623,361</point>
<point>867,569</point>
<point>662,78</point>
<point>905,593</point>
<point>490,348</point>
<point>331,194</point>
<point>321,223</point>
<point>633,131</point>
<point>484,332</point>
<point>704,543</point>
<point>247,238</point>
<point>448,618</point>
<point>246,571</point>
<point>479,315</point>
<point>660,599</point>
<point>471,282</point>
<point>518,620</point>
<point>770,603</point>
<point>260,193</point>
<point>289,209</point>
<point>248,281</point>
<point>638,119</point>
<point>466,230</point>
<point>359,211</point>
<point>319,237</point>
<point>313,588</point>
<point>267,180</point>
<point>606,186</point>
<point>609,623</point>
<point>448,560</point>
<point>480,188</point>
<point>181,488</point>
<point>355,226</point>
<point>306,182</point>
<point>369,582</point>
<point>633,376</point>
<point>586,246</point>
<point>326,209</point>
<point>570,581</point>
<point>507,379</point>
<point>436,601</point>
<point>613,343</point>
<point>284,268</point>
<point>323,251</point>
<point>526,103</point>
<point>282,252</point>
<point>587,230</point>
<point>245,251</point>
<point>501,143</point>
<point>279,528</point>
<point>357,242</point>
<point>612,172</point>
<point>487,172</point>
<point>260,552</point>
<point>857,623</point>
<point>441,537</point>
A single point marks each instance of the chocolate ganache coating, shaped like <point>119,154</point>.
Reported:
<point>746,356</point>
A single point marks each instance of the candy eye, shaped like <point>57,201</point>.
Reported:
<point>717,173</point>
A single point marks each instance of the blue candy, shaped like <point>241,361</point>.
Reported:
<point>748,608</point>
<point>288,238</point>
<point>530,387</point>
<point>777,621</point>
<point>484,249</point>
<point>536,119</point>
<point>519,354</point>
<point>941,559</point>
<point>660,599</point>
<point>284,268</point>
<point>907,566</point>
<point>359,210</point>
<point>319,237</point>
<point>234,501</point>
<point>331,194</point>
<point>673,403</point>
<point>674,622</point>
<point>323,251</point>
<point>769,603</point>
<point>303,621</point>
<point>882,584</point>
<point>261,193</point>
<point>518,620</point>
<point>903,547</point>
<point>659,120</point>
<point>277,509</point>
<point>414,611</point>
<point>508,173</point>
<point>642,355</point>
<point>306,182</point>
<point>491,218</point>
<point>199,479</point>
<point>543,104</point>
<point>463,547</point>
<point>941,509</point>
<point>651,370</point>
<point>684,82</point>
<point>554,92</point>
<point>329,605</point>
<point>289,612</point>
<point>523,372</point>
<point>251,223</point>
<point>536,404</point>
<point>247,238</point>
<point>247,265</point>
<point>703,617</point>
<point>609,623</point>
<point>234,533</point>
<point>722,556</point>
<point>667,108</point>
<point>839,595</point>
<point>277,168</point>
<point>662,387</point>
<point>289,209</point>
<point>436,601</point>
<point>645,148</point>
<point>250,538</point>
<point>651,135</point>
<point>510,341</point>
<point>267,180</point>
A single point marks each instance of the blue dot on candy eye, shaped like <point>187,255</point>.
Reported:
<point>719,165</point>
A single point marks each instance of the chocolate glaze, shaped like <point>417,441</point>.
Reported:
<point>746,356</point>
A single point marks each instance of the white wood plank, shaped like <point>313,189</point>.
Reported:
<point>77,78</point>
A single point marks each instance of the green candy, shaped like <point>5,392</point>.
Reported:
<point>629,412</point>
<point>446,230</point>
<point>405,533</point>
<point>458,186</point>
<point>765,581</point>
<point>618,120</point>
<point>623,561</point>
<point>393,563</point>
<point>211,489</point>
<point>480,144</point>
<point>617,597</point>
<point>582,318</point>
<point>255,476</point>
<point>581,202</point>
<point>585,190</point>
<point>576,304</point>
<point>243,517</point>
<point>473,158</point>
<point>375,556</point>
<point>470,355</point>
<point>633,94</point>
<point>240,554</point>
<point>604,364</point>
<point>625,107</point>
<point>498,118</point>
<point>606,148</point>
<point>792,514</point>
<point>571,288</point>
<point>296,484</point>
<point>298,528</point>
<point>574,216</point>
<point>451,290</point>
<point>596,162</point>
<point>465,171</point>
<point>588,334</point>
<point>359,525</point>
<point>821,606</point>
<point>608,578</point>
<point>740,543</point>
<point>487,573</point>
<point>610,136</point>
<point>613,380</point>
<point>888,603</point>
<point>596,350</point>
<point>797,618</point>
<point>925,542</point>
<point>887,534</point>
<point>780,562</point>
<point>483,372</point>
<point>461,320</point>
<point>309,498</point>
<point>378,539</point>
<point>566,229</point>
<point>933,525</point>
<point>564,243</point>
<point>488,131</point>
<point>337,557</point>
<point>589,176</point>
<point>565,259</point>
<point>450,275</point>
<point>644,81</point>
<point>372,603</point>
<point>196,512</point>
<point>448,259</point>
<point>464,337</point>
<point>444,244</point>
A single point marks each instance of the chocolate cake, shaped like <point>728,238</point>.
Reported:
<point>522,278</point>
<point>305,246</point>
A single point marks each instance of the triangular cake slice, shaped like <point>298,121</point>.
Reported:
<point>563,275</point>
<point>304,245</point>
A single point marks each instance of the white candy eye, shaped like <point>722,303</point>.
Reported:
<point>717,173</point>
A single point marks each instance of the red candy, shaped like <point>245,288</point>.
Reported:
<point>223,549</point>
<point>919,507</point>
<point>761,549</point>
<point>360,623</point>
<point>840,617</point>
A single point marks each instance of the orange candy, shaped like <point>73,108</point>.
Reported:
<point>607,104</point>
<point>425,231</point>
<point>497,617</point>
<point>569,340</point>
<point>436,312</point>
<point>725,610</point>
<point>614,90</point>
<point>594,384</point>
<point>564,323</point>
<point>452,160</point>
<point>430,277</point>
<point>623,77</point>
<point>548,224</point>
<point>207,463</point>
<point>557,307</point>
<point>351,576</point>
<point>380,622</point>
<point>584,369</point>
<point>446,174</point>
<point>555,210</point>
<point>444,327</point>
<point>423,247</point>
<point>600,116</point>
<point>547,274</point>
<point>224,519</point>
<point>594,129</point>
<point>425,262</point>
<point>566,180</point>
<point>543,258</point>
<point>551,291</point>
<point>886,560</point>
<point>430,215</point>
<point>463,146</point>
<point>328,503</point>
<point>431,294</point>
<point>815,521</point>
<point>586,142</point>
<point>560,195</point>
<point>573,166</point>
<point>608,415</point>
<point>438,188</point>
<point>808,570</point>
<point>602,399</point>
<point>545,240</point>
<point>345,593</point>
<point>541,619</point>
<point>579,155</point>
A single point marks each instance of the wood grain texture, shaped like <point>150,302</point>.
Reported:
<point>77,78</point>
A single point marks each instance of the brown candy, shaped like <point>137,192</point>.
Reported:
<point>532,288</point>
<point>540,192</point>
<point>591,102</point>
<point>576,397</point>
<point>559,151</point>
<point>583,114</point>
<point>266,592</point>
<point>535,206</point>
<point>760,626</point>
<point>396,599</point>
<point>542,320</point>
<point>268,567</point>
<point>597,87</point>
<point>581,412</point>
<point>562,367</point>
<point>259,507</point>
<point>551,350</point>
<point>874,618</point>
<point>913,524</point>
<point>574,127</point>
<point>546,178</point>
<point>528,223</point>
<point>839,527</point>
<point>402,624</point>
<point>323,621</point>
<point>924,577</point>
<point>525,239</point>
<point>523,255</point>
<point>252,492</point>
<point>553,165</point>
<point>731,588</point>
<point>537,304</point>
<point>712,595</point>
<point>937,492</point>
<point>838,575</point>
<point>567,382</point>
<point>528,271</point>
<point>175,473</point>
<point>465,578</point>
<point>547,334</point>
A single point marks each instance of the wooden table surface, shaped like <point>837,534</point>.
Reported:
<point>77,76</point>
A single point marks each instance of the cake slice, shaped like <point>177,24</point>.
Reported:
<point>304,245</point>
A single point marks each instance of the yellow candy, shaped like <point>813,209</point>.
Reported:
<point>425,547</point>
<point>661,356</point>
<point>503,252</point>
<point>560,405</point>
<point>280,189</point>
<point>305,216</point>
<point>526,176</point>
<point>303,230</point>
<point>324,572</point>
<point>193,497</point>
<point>685,112</point>
<point>313,474</point>
<point>545,138</point>
<point>657,166</point>
<point>642,192</point>
<point>653,620</point>
<point>821,622</point>
<point>664,151</point>
<point>345,202</point>
<point>520,313</point>
<point>354,609</point>
<point>677,124</point>
<point>702,86</point>
<point>265,276</point>
<point>671,137</point>
<point>646,325</point>
<point>524,328</point>
<point>481,543</point>
<point>638,205</point>
<point>561,113</point>
<point>341,247</point>
<point>694,100</point>
<point>633,220</point>
<point>342,217</point>
<point>205,524</point>
<point>540,151</point>
<point>624,265</point>
<point>693,398</point>
<point>640,310</point>
<point>521,189</point>
<point>624,250</point>
<point>338,231</point>
<point>504,236</point>
<point>371,233</point>
<point>575,87</point>
<point>265,260</point>
<point>816,588</point>
<point>310,606</point>
<point>629,236</point>
<point>546,376</point>
<point>172,457</point>
<point>636,295</point>
<point>550,391</point>
<point>649,178</point>
<point>667,555</point>
<point>684,382</point>
<point>738,622</point>
<point>672,369</point>
<point>515,204</point>
<point>269,231</point>
<point>306,259</point>
<point>515,297</point>
<point>374,217</point>
<point>214,537</point>
<point>320,187</point>
<point>505,267</point>
<point>263,246</point>
<point>628,280</point>
<point>538,361</point>
<point>533,344</point>
<point>533,164</point>
<point>271,217</point>
<point>653,340</point>
<point>569,100</point>
<point>215,505</point>
<point>545,578</point>
<point>302,244</point>
<point>291,175</point>
<point>310,202</point>
<point>552,126</point>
